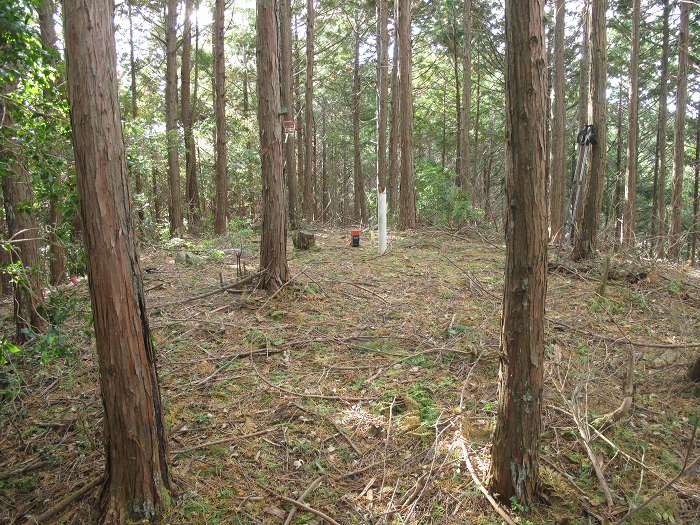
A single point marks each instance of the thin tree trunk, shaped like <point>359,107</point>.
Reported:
<point>629,216</point>
<point>5,260</point>
<point>557,174</point>
<point>660,210</point>
<point>466,99</point>
<point>696,218</point>
<point>309,158</point>
<point>191,187</point>
<point>359,198</point>
<point>287,100</point>
<point>174,202</point>
<point>57,253</point>
<point>382,96</point>
<point>325,201</point>
<point>138,182</point>
<point>407,205</point>
<point>515,449</point>
<point>477,123</point>
<point>273,245</point>
<point>674,232</point>
<point>137,481</point>
<point>585,238</point>
<point>617,197</point>
<point>461,181</point>
<point>23,231</point>
<point>220,108</point>
<point>394,160</point>
<point>585,73</point>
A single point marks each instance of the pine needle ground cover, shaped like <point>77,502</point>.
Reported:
<point>356,389</point>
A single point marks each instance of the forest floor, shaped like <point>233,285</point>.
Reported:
<point>361,386</point>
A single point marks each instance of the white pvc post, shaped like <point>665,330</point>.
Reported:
<point>381,219</point>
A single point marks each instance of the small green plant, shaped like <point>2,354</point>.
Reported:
<point>428,411</point>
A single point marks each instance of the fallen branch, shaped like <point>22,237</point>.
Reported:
<point>224,440</point>
<point>670,482</point>
<point>580,418</point>
<point>34,465</point>
<point>245,280</point>
<point>314,396</point>
<point>502,513</point>
<point>625,340</point>
<point>314,484</point>
<point>65,502</point>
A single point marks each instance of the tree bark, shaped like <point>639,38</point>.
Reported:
<point>273,245</point>
<point>191,186</point>
<point>696,218</point>
<point>515,450</point>
<point>407,204</point>
<point>394,160</point>
<point>23,231</point>
<point>137,481</point>
<point>465,156</point>
<point>300,142</point>
<point>617,196</point>
<point>359,197</point>
<point>674,232</point>
<point>660,210</point>
<point>325,201</point>
<point>287,101</point>
<point>57,253</point>
<point>557,174</point>
<point>5,260</point>
<point>174,202</point>
<point>309,158</point>
<point>584,240</point>
<point>219,106</point>
<point>138,182</point>
<point>461,181</point>
<point>382,91</point>
<point>628,220</point>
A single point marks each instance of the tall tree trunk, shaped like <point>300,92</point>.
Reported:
<point>5,260</point>
<point>138,181</point>
<point>359,198</point>
<point>585,72</point>
<point>617,196</point>
<point>137,482</point>
<point>57,253</point>
<point>557,174</point>
<point>394,160</point>
<point>661,124</point>
<point>174,202</point>
<point>156,194</point>
<point>219,106</point>
<point>382,96</point>
<point>325,201</point>
<point>674,232</point>
<point>696,218</point>
<point>515,450</point>
<point>309,158</point>
<point>477,123</point>
<point>23,231</point>
<point>584,242</point>
<point>628,220</point>
<point>466,99</point>
<point>273,245</point>
<point>407,205</point>
<point>191,189</point>
<point>287,101</point>
<point>461,181</point>
<point>299,106</point>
